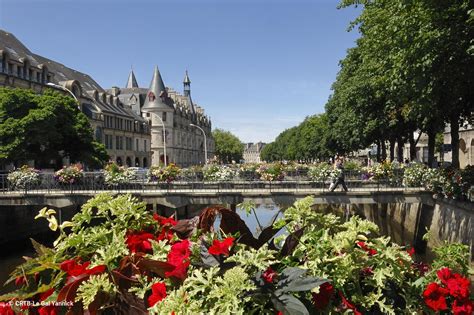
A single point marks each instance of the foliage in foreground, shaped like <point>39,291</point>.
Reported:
<point>117,256</point>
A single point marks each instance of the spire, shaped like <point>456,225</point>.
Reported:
<point>187,85</point>
<point>186,78</point>
<point>132,81</point>
<point>154,99</point>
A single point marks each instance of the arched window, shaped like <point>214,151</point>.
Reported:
<point>145,162</point>
<point>129,161</point>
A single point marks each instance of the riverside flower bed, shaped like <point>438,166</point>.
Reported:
<point>69,174</point>
<point>163,173</point>
<point>116,175</point>
<point>24,177</point>
<point>132,262</point>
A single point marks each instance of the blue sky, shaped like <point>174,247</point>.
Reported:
<point>257,66</point>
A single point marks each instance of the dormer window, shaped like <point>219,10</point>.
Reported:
<point>151,97</point>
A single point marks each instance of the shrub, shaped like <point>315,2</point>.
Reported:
<point>414,175</point>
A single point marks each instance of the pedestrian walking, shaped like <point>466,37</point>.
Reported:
<point>338,165</point>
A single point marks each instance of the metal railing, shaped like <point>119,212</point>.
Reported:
<point>95,182</point>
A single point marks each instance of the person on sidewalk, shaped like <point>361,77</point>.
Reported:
<point>339,165</point>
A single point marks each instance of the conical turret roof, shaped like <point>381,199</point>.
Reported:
<point>154,99</point>
<point>132,81</point>
<point>186,78</point>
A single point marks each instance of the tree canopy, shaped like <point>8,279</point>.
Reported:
<point>44,128</point>
<point>228,147</point>
<point>411,69</point>
<point>305,142</point>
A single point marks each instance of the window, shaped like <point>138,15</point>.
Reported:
<point>117,142</point>
<point>1,63</point>
<point>144,146</point>
<point>136,145</point>
<point>151,96</point>
<point>38,77</point>
<point>10,68</point>
<point>19,71</point>
<point>48,78</point>
<point>164,116</point>
<point>128,143</point>
<point>30,74</point>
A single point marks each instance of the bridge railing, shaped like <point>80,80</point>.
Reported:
<point>95,182</point>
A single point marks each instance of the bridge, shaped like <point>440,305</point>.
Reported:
<point>176,196</point>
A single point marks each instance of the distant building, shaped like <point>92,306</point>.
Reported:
<point>252,152</point>
<point>162,105</point>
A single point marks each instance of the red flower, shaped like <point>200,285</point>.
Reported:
<point>348,304</point>
<point>280,313</point>
<point>367,272</point>
<point>6,309</point>
<point>321,299</point>
<point>435,297</point>
<point>364,246</point>
<point>164,221</point>
<point>47,310</point>
<point>465,307</point>
<point>20,281</point>
<point>458,286</point>
<point>179,258</point>
<point>411,251</point>
<point>269,275</point>
<point>422,267</point>
<point>444,274</point>
<point>158,293</point>
<point>180,272</point>
<point>139,242</point>
<point>165,234</point>
<point>221,247</point>
<point>179,252</point>
<point>74,269</point>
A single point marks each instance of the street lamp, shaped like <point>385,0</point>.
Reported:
<point>164,135</point>
<point>64,89</point>
<point>205,142</point>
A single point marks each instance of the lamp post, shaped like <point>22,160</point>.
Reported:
<point>64,89</point>
<point>205,142</point>
<point>164,135</point>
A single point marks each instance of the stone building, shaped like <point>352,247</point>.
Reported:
<point>466,145</point>
<point>163,106</point>
<point>125,134</point>
<point>252,152</point>
<point>126,120</point>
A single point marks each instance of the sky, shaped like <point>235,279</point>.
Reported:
<point>257,67</point>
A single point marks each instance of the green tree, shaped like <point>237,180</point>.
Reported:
<point>228,147</point>
<point>45,128</point>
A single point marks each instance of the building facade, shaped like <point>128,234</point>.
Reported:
<point>186,128</point>
<point>124,120</point>
<point>252,152</point>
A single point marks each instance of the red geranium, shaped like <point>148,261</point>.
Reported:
<point>139,242</point>
<point>6,309</point>
<point>164,221</point>
<point>269,275</point>
<point>221,247</point>
<point>47,310</point>
<point>364,246</point>
<point>444,274</point>
<point>74,269</point>
<point>465,307</point>
<point>458,286</point>
<point>322,298</point>
<point>435,297</point>
<point>179,258</point>
<point>158,293</point>
<point>411,251</point>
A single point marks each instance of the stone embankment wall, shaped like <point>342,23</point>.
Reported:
<point>406,224</point>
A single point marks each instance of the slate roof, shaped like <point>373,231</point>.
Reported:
<point>156,96</point>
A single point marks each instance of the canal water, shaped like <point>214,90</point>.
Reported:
<point>12,254</point>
